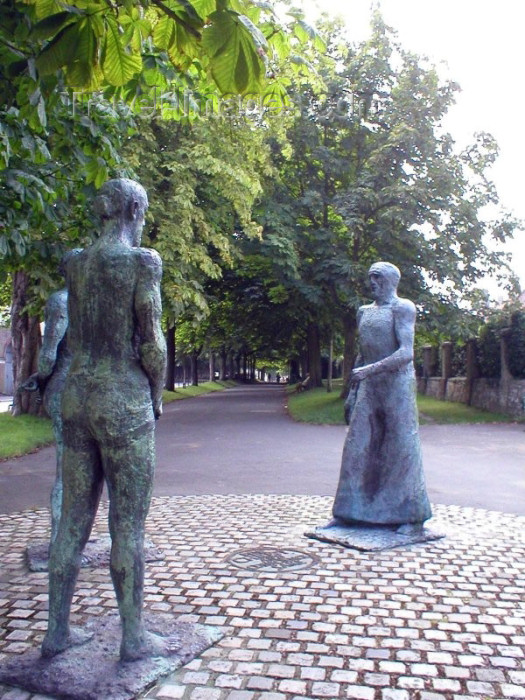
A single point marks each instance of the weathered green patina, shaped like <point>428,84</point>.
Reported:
<point>53,366</point>
<point>382,480</point>
<point>112,394</point>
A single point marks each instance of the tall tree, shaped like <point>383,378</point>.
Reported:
<point>202,178</point>
<point>372,176</point>
<point>59,137</point>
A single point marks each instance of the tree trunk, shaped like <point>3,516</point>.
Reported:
<point>211,364</point>
<point>26,337</point>
<point>170,371</point>
<point>222,366</point>
<point>350,334</point>
<point>294,371</point>
<point>330,364</point>
<point>194,357</point>
<point>314,355</point>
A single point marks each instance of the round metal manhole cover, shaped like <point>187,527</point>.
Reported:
<point>271,559</point>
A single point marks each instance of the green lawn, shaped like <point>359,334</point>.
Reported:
<point>434,411</point>
<point>23,434</point>
<point>188,392</point>
<point>319,406</point>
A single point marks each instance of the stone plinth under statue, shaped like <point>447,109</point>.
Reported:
<point>96,553</point>
<point>93,670</point>
<point>373,538</point>
<point>381,498</point>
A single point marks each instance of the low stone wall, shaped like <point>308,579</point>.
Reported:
<point>513,396</point>
<point>486,394</point>
<point>499,396</point>
<point>457,389</point>
<point>433,387</point>
<point>5,339</point>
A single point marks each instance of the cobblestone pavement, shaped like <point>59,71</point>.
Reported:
<point>305,619</point>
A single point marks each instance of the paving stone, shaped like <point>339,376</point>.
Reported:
<point>205,694</point>
<point>313,674</point>
<point>393,694</point>
<point>325,690</point>
<point>480,688</point>
<point>444,620</point>
<point>171,692</point>
<point>291,686</point>
<point>512,691</point>
<point>261,683</point>
<point>446,684</point>
<point>359,692</point>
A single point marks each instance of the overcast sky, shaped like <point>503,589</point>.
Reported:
<point>480,45</point>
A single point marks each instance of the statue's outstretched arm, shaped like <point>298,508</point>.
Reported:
<point>55,316</point>
<point>404,327</point>
<point>152,346</point>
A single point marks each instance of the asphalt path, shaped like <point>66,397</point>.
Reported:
<point>242,440</point>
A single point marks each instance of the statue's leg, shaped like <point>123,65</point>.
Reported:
<point>82,486</point>
<point>56,491</point>
<point>129,475</point>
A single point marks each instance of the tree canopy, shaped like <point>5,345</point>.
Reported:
<point>367,172</point>
<point>266,218</point>
<point>72,77</point>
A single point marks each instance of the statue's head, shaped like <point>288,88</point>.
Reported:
<point>125,202</point>
<point>384,278</point>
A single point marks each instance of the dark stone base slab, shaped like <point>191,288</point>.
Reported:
<point>372,538</point>
<point>93,671</point>
<point>95,554</point>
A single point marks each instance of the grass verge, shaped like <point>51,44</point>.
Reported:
<point>434,411</point>
<point>188,392</point>
<point>23,434</point>
<point>319,406</point>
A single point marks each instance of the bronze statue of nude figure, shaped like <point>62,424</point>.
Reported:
<point>112,396</point>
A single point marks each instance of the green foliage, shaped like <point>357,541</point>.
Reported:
<point>23,434</point>
<point>56,142</point>
<point>202,179</point>
<point>459,359</point>
<point>231,45</point>
<point>516,345</point>
<point>56,150</point>
<point>372,175</point>
<point>5,299</point>
<point>488,349</point>
<point>61,138</point>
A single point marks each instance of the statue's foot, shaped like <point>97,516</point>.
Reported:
<point>148,646</point>
<point>55,644</point>
<point>336,522</point>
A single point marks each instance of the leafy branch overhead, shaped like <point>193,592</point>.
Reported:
<point>233,43</point>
